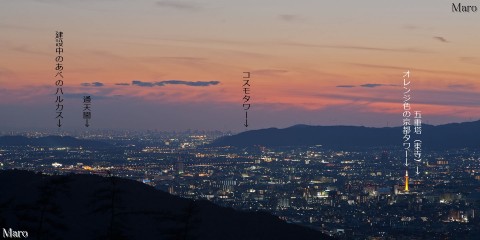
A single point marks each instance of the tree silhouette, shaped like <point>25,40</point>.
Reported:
<point>108,200</point>
<point>190,221</point>
<point>5,206</point>
<point>44,216</point>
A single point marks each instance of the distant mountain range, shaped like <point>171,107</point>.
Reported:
<point>448,136</point>
<point>95,207</point>
<point>50,141</point>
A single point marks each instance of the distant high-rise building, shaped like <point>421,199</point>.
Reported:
<point>283,203</point>
<point>385,156</point>
<point>179,167</point>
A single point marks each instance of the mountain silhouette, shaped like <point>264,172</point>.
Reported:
<point>96,207</point>
<point>448,136</point>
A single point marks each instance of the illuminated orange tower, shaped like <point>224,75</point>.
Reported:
<point>406,180</point>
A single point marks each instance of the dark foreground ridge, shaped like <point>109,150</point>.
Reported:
<point>96,207</point>
<point>448,136</point>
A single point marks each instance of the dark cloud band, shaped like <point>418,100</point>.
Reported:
<point>175,82</point>
<point>93,84</point>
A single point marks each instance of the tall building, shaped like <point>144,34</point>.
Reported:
<point>283,203</point>
<point>179,167</point>
<point>406,180</point>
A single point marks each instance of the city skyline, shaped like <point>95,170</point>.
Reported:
<point>177,65</point>
<point>355,191</point>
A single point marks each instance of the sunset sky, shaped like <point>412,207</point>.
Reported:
<point>177,65</point>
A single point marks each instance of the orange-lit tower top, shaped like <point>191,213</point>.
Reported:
<point>406,180</point>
